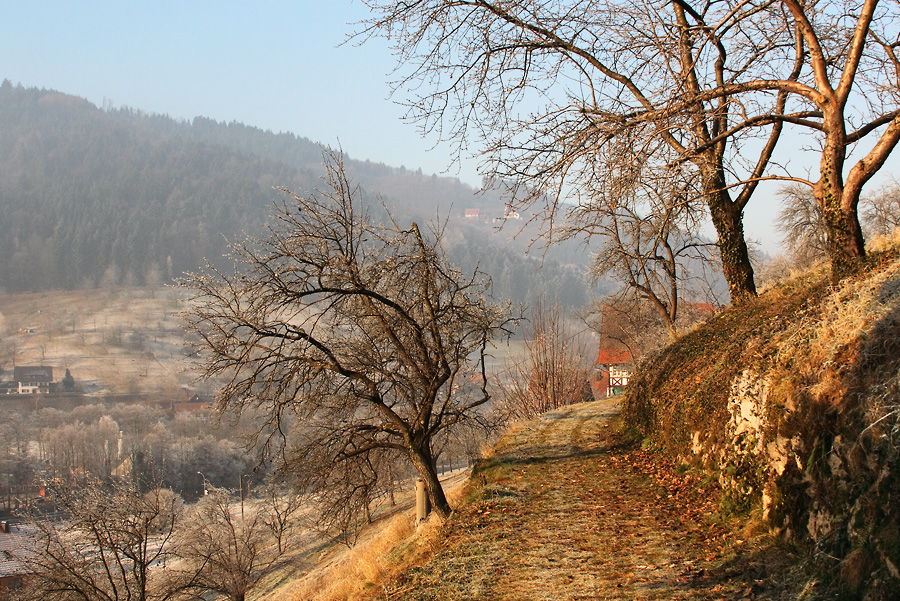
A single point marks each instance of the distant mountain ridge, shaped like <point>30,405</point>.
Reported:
<point>91,197</point>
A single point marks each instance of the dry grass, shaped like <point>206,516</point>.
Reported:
<point>818,348</point>
<point>354,572</point>
<point>321,570</point>
<point>828,358</point>
<point>882,243</point>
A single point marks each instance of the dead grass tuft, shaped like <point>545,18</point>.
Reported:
<point>353,573</point>
<point>391,544</point>
<point>882,243</point>
<point>823,344</point>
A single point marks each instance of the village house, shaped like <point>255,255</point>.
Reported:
<point>630,330</point>
<point>30,379</point>
<point>612,371</point>
<point>194,403</point>
<point>508,213</point>
<point>15,541</point>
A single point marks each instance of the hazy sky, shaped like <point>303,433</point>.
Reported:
<point>278,65</point>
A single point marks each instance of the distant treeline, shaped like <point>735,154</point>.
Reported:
<point>91,197</point>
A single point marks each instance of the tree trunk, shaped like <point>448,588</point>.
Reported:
<point>728,219</point>
<point>391,485</point>
<point>727,215</point>
<point>424,464</point>
<point>666,313</point>
<point>846,246</point>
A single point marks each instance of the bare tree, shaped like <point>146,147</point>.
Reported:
<point>106,547</point>
<point>801,223</point>
<point>849,94</point>
<point>714,82</point>
<point>627,322</point>
<point>648,225</point>
<point>558,92</point>
<point>281,507</point>
<point>223,549</point>
<point>554,370</point>
<point>360,330</point>
<point>881,210</point>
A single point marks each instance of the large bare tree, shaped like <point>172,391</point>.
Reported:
<point>547,88</point>
<point>557,93</point>
<point>360,331</point>
<point>850,94</point>
<point>648,228</point>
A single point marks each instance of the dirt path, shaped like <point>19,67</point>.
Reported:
<point>566,509</point>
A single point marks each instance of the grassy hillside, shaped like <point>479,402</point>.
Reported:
<point>567,506</point>
<point>775,422</point>
<point>793,403</point>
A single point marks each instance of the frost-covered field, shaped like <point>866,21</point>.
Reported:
<point>118,341</point>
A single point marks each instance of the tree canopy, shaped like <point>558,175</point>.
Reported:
<point>559,97</point>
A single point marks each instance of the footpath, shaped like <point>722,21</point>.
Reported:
<point>567,508</point>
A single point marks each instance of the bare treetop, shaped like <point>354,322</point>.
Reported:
<point>556,94</point>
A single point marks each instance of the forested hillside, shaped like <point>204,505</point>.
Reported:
<point>91,197</point>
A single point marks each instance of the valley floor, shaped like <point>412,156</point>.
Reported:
<point>567,508</point>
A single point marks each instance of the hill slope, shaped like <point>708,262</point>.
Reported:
<point>778,420</point>
<point>91,197</point>
<point>124,341</point>
<point>567,507</point>
<point>793,403</point>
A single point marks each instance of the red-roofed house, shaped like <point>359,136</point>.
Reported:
<point>694,313</point>
<point>628,331</point>
<point>16,541</point>
<point>612,371</point>
<point>193,404</point>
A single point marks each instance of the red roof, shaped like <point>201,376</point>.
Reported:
<point>611,357</point>
<point>701,310</point>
